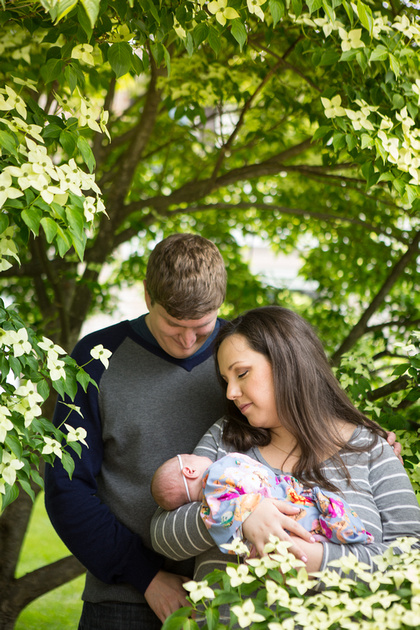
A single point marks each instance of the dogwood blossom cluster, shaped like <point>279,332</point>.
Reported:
<point>21,403</point>
<point>283,597</point>
<point>396,142</point>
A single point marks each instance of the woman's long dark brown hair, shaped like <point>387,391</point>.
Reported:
<point>308,397</point>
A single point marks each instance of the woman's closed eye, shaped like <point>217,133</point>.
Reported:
<point>242,374</point>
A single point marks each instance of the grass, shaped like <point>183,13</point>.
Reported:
<point>59,609</point>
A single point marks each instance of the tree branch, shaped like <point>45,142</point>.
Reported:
<point>42,580</point>
<point>399,384</point>
<point>227,145</point>
<point>361,327</point>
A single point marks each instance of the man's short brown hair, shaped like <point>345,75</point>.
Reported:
<point>186,275</point>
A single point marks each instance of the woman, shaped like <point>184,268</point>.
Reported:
<point>287,410</point>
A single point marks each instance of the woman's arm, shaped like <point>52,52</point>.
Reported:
<point>396,504</point>
<point>181,534</point>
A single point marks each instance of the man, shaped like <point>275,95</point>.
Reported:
<point>157,398</point>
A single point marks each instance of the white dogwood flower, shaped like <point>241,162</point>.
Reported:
<point>5,424</point>
<point>76,435</point>
<point>351,39</point>
<point>7,191</point>
<point>101,353</point>
<point>199,590</point>
<point>246,614</point>
<point>19,341</point>
<point>332,107</point>
<point>52,446</point>
<point>239,575</point>
<point>8,467</point>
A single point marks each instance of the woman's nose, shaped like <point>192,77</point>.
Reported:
<point>233,391</point>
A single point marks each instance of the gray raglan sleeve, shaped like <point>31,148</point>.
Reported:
<point>398,508</point>
<point>181,533</point>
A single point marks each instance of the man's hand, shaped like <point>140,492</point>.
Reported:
<point>165,594</point>
<point>392,441</point>
<point>271,517</point>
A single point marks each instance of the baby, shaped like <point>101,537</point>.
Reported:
<point>231,487</point>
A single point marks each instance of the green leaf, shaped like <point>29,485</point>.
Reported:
<point>62,8</point>
<point>239,33</point>
<point>380,53</point>
<point>348,55</point>
<point>119,56</point>
<point>26,486</point>
<point>32,218</point>
<point>63,241</point>
<point>297,7</point>
<point>329,58</point>
<point>212,618</point>
<point>79,244</point>
<point>4,222</point>
<point>43,389</point>
<point>52,131</point>
<point>351,141</point>
<point>8,142</point>
<point>314,5</point>
<point>85,20</point>
<point>189,44</point>
<point>86,153</point>
<point>365,16</point>
<point>50,228</point>
<point>277,11</point>
<point>68,464</point>
<point>200,33</point>
<point>71,77</point>
<point>398,101</point>
<point>367,141</point>
<point>399,186</point>
<point>339,141</point>
<point>177,619</point>
<point>137,64</point>
<point>321,132</point>
<point>11,494</point>
<point>412,193</point>
<point>14,444</point>
<point>395,66</point>
<point>349,10</point>
<point>75,220</point>
<point>83,378</point>
<point>157,52</point>
<point>76,447</point>
<point>214,40</point>
<point>400,369</point>
<point>68,141</point>
<point>51,70</point>
<point>37,478</point>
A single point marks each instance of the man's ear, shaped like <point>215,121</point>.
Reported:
<point>189,472</point>
<point>147,296</point>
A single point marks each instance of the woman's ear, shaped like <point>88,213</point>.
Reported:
<point>189,472</point>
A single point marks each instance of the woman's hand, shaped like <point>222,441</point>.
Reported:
<point>313,551</point>
<point>391,438</point>
<point>270,517</point>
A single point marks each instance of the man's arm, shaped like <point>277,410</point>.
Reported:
<point>108,549</point>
